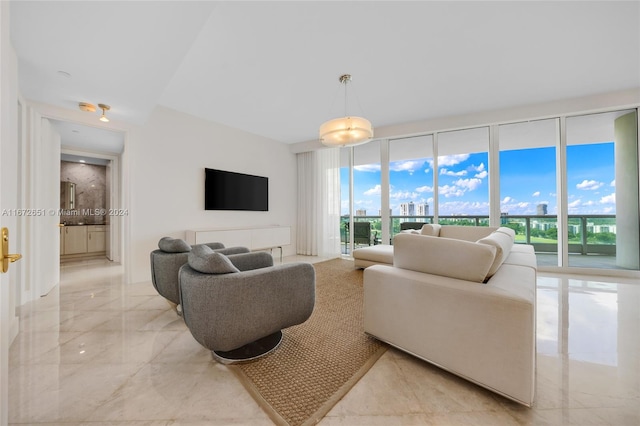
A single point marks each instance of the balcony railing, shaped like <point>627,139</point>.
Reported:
<point>588,234</point>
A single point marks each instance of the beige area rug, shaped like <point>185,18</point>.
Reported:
<point>320,360</point>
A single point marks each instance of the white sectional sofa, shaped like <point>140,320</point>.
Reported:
<point>383,254</point>
<point>465,302</point>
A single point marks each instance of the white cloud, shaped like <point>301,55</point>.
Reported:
<point>507,200</point>
<point>536,194</point>
<point>575,204</point>
<point>454,208</point>
<point>405,166</point>
<point>447,172</point>
<point>608,199</point>
<point>479,168</point>
<point>483,174</point>
<point>469,184</point>
<point>452,160</point>
<point>450,191</point>
<point>425,189</point>
<point>376,190</point>
<point>613,183</point>
<point>403,195</point>
<point>589,185</point>
<point>367,168</point>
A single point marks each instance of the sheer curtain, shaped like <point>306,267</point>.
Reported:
<point>319,203</point>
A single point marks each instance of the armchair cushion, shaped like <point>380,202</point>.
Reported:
<point>204,259</point>
<point>173,245</point>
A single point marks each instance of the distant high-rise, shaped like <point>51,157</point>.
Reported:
<point>408,209</point>
<point>542,209</point>
<point>361,212</point>
<point>423,209</point>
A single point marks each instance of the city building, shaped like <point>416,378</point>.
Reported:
<point>408,209</point>
<point>541,209</point>
<point>361,212</point>
<point>423,209</point>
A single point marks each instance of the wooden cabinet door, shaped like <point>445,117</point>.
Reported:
<point>75,240</point>
<point>96,241</point>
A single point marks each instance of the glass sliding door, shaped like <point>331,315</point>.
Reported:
<point>528,185</point>
<point>345,198</point>
<point>463,187</point>
<point>410,182</point>
<point>367,192</point>
<point>602,191</point>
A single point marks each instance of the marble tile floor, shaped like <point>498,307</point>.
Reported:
<point>98,352</point>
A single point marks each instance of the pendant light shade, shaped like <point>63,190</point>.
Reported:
<point>347,130</point>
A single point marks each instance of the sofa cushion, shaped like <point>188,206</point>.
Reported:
<point>431,230</point>
<point>467,233</point>
<point>173,245</point>
<point>502,242</point>
<point>447,257</point>
<point>410,231</point>
<point>204,259</point>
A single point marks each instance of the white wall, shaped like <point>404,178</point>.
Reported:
<point>166,161</point>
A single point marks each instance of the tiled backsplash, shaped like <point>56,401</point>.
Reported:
<point>90,195</point>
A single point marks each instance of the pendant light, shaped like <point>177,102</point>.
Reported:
<point>346,131</point>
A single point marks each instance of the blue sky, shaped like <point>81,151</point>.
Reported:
<point>527,178</point>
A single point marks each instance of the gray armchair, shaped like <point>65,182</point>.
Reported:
<point>167,260</point>
<point>236,306</point>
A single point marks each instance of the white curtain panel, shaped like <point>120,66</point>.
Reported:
<point>319,203</point>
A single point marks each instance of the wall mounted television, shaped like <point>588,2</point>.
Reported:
<point>225,190</point>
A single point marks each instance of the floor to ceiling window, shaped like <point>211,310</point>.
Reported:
<point>410,181</point>
<point>463,188</point>
<point>528,185</point>
<point>602,190</point>
<point>367,192</point>
<point>567,185</point>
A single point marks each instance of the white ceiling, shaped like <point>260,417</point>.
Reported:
<point>79,137</point>
<point>272,68</point>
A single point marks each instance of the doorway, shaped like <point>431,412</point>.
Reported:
<point>90,189</point>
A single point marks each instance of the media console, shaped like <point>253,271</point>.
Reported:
<point>258,238</point>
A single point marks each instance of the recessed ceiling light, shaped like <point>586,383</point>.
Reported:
<point>82,161</point>
<point>64,74</point>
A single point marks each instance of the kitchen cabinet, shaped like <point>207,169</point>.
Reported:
<point>75,239</point>
<point>96,238</point>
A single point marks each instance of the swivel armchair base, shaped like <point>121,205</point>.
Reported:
<point>250,351</point>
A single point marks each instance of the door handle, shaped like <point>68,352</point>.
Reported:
<point>4,251</point>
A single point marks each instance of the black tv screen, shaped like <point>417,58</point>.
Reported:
<point>235,191</point>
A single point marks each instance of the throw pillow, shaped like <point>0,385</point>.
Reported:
<point>204,259</point>
<point>503,243</point>
<point>173,245</point>
<point>432,230</point>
